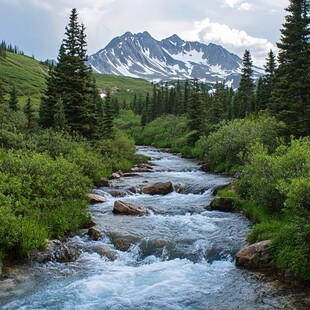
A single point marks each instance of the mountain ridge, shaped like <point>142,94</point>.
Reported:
<point>140,55</point>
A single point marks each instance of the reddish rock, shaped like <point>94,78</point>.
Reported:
<point>158,189</point>
<point>121,207</point>
<point>254,256</point>
<point>94,198</point>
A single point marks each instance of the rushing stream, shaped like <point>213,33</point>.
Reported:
<point>179,256</point>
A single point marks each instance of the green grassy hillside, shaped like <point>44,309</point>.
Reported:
<point>123,87</point>
<point>28,75</point>
<point>25,73</point>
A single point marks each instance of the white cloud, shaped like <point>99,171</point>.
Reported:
<point>234,40</point>
<point>238,4</point>
<point>245,6</point>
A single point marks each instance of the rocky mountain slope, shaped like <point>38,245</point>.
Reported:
<point>140,55</point>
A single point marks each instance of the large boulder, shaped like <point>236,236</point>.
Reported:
<point>121,207</point>
<point>255,256</point>
<point>55,251</point>
<point>123,243</point>
<point>94,198</point>
<point>158,189</point>
<point>103,182</point>
<point>222,204</point>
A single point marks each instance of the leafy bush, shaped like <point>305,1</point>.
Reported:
<point>291,247</point>
<point>119,153</point>
<point>280,179</point>
<point>281,183</point>
<point>165,131</point>
<point>41,197</point>
<point>226,148</point>
<point>130,123</point>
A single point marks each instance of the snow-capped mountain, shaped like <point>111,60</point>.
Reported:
<point>140,55</point>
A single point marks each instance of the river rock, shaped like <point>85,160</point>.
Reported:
<point>142,168</point>
<point>94,198</point>
<point>205,167</point>
<point>117,193</point>
<point>117,175</point>
<point>94,233</point>
<point>124,243</point>
<point>103,182</point>
<point>255,256</point>
<point>180,188</point>
<point>222,204</point>
<point>89,224</point>
<point>55,251</point>
<point>216,188</point>
<point>121,207</point>
<point>103,252</point>
<point>158,189</point>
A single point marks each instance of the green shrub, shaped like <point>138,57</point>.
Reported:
<point>291,247</point>
<point>281,183</point>
<point>165,131</point>
<point>226,149</point>
<point>280,179</point>
<point>119,153</point>
<point>40,198</point>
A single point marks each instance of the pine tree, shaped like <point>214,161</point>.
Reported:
<point>71,82</point>
<point>185,96</point>
<point>29,112</point>
<point>108,118</point>
<point>13,101</point>
<point>265,83</point>
<point>219,108</point>
<point>178,99</point>
<point>196,114</point>
<point>1,93</point>
<point>59,116</point>
<point>244,98</point>
<point>290,100</point>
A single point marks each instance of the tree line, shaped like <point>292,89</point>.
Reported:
<point>4,47</point>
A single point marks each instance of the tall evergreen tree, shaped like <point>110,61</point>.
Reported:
<point>243,102</point>
<point>59,116</point>
<point>71,81</point>
<point>219,108</point>
<point>1,93</point>
<point>108,118</point>
<point>265,83</point>
<point>29,112</point>
<point>290,100</point>
<point>178,99</point>
<point>13,101</point>
<point>196,114</point>
<point>185,96</point>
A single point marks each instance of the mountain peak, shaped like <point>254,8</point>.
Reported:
<point>175,39</point>
<point>140,55</point>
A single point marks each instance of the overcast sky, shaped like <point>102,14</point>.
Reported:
<point>37,26</point>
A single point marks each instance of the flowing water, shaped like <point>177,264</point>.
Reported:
<point>178,256</point>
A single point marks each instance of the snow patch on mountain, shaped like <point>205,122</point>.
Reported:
<point>140,55</point>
